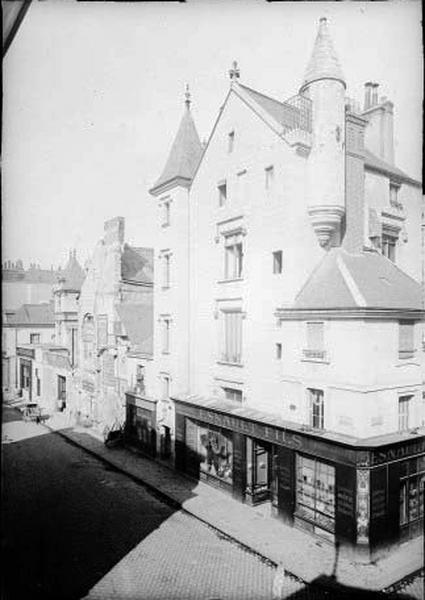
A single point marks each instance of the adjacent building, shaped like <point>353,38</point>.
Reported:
<point>289,309</point>
<point>26,286</point>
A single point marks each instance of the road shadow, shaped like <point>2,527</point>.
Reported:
<point>67,518</point>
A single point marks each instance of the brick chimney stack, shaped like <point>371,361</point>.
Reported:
<point>379,136</point>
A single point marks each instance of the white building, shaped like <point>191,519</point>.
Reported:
<point>288,309</point>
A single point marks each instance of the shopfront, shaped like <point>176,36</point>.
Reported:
<point>362,496</point>
<point>25,357</point>
<point>140,424</point>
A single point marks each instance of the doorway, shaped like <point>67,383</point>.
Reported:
<point>61,392</point>
<point>259,462</point>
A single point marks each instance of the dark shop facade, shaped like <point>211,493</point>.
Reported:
<point>364,496</point>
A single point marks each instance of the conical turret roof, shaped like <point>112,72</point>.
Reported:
<point>324,63</point>
<point>73,275</point>
<point>185,153</point>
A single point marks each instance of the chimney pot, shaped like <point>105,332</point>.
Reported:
<point>367,94</point>
<point>375,94</point>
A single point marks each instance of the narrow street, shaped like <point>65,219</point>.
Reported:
<point>68,520</point>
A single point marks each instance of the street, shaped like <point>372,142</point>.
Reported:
<point>68,520</point>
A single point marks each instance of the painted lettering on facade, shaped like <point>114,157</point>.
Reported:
<point>384,456</point>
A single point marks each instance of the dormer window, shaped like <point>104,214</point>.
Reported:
<point>230,142</point>
<point>388,246</point>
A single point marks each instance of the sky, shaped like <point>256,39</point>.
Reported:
<point>94,93</point>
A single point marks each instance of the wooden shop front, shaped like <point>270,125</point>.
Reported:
<point>363,496</point>
<point>140,423</point>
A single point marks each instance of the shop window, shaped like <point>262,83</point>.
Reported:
<point>277,262</point>
<point>231,351</point>
<point>34,338</point>
<point>214,448</point>
<point>233,256</point>
<point>403,412</point>
<point>315,341</point>
<point>412,485</point>
<point>317,408</point>
<point>315,492</point>
<point>222,193</point>
<point>233,395</point>
<point>406,331</point>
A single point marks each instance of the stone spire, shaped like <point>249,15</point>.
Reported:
<point>324,63</point>
<point>184,155</point>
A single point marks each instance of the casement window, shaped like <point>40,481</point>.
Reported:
<point>277,262</point>
<point>394,188</point>
<point>317,408</point>
<point>166,205</point>
<point>34,338</point>
<point>404,403</point>
<point>412,483</point>
<point>232,394</point>
<point>230,142</point>
<point>315,492</point>
<point>388,246</point>
<point>102,330</point>
<point>165,384</point>
<point>269,177</point>
<point>406,341</point>
<point>231,350</point>
<point>166,335</point>
<point>222,193</point>
<point>315,340</point>
<point>166,270</point>
<point>278,349</point>
<point>233,256</point>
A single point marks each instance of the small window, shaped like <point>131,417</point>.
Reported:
<point>315,341</point>
<point>166,270</point>
<point>166,336</point>
<point>222,193</point>
<point>230,142</point>
<point>388,246</point>
<point>403,412</point>
<point>165,387</point>
<point>166,213</point>
<point>231,343</point>
<point>316,408</point>
<point>34,338</point>
<point>233,257</point>
<point>269,171</point>
<point>406,339</point>
<point>394,188</point>
<point>277,262</point>
<point>278,350</point>
<point>233,395</point>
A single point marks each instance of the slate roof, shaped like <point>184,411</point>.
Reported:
<point>34,314</point>
<point>366,279</point>
<point>324,62</point>
<point>137,264</point>
<point>47,276</point>
<point>375,163</point>
<point>185,153</point>
<point>73,275</point>
<point>283,113</point>
<point>137,321</point>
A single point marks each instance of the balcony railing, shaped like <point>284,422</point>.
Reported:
<point>297,113</point>
<point>314,354</point>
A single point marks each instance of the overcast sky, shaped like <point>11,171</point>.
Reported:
<point>94,92</point>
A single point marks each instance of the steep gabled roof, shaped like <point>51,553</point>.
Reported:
<point>137,321</point>
<point>324,63</point>
<point>34,314</point>
<point>73,275</point>
<point>363,280</point>
<point>137,264</point>
<point>184,156</point>
<point>374,163</point>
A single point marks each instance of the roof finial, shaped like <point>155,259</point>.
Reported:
<point>187,97</point>
<point>234,72</point>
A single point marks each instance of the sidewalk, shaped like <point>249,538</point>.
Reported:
<point>301,555</point>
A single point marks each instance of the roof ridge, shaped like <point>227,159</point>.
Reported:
<point>261,94</point>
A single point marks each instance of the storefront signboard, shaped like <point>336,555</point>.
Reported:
<point>390,454</point>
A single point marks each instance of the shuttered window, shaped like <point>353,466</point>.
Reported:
<point>406,339</point>
<point>232,337</point>
<point>315,340</point>
<point>233,257</point>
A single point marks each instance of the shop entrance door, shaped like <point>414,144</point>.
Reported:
<point>61,392</point>
<point>259,470</point>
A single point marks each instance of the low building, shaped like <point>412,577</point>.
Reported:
<point>26,286</point>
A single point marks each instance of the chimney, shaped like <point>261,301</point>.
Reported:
<point>375,87</point>
<point>114,231</point>
<point>354,234</point>
<point>367,95</point>
<point>379,135</point>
